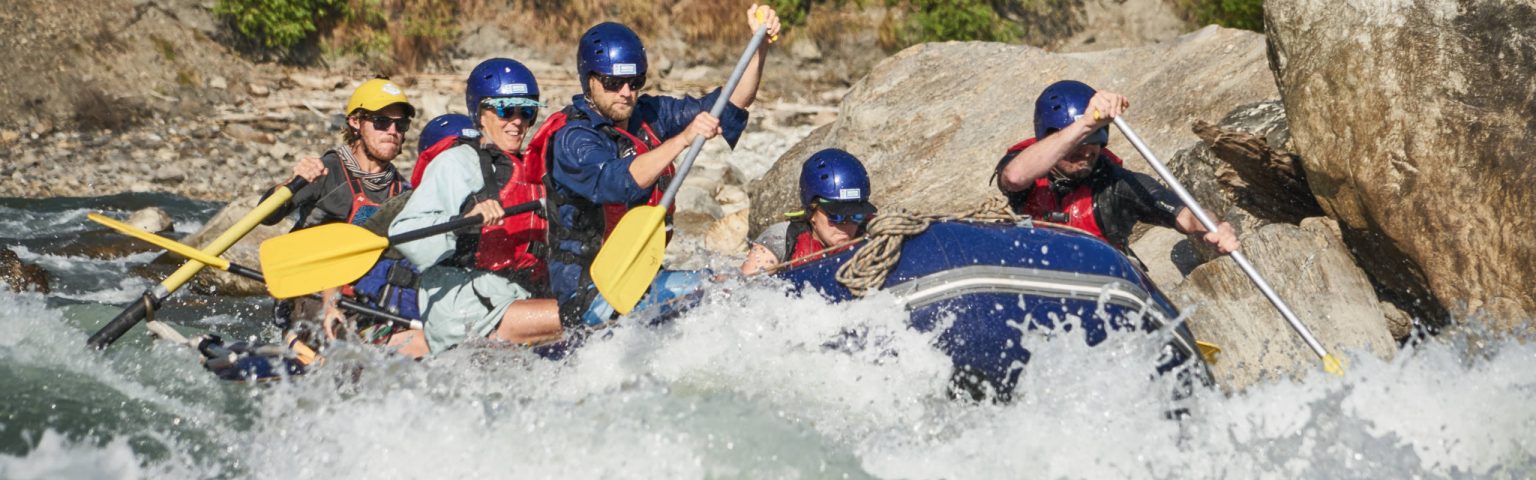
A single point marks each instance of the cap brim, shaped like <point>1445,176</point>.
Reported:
<point>1098,137</point>
<point>513,102</point>
<point>849,208</point>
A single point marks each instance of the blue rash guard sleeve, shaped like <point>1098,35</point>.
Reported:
<point>588,165</point>
<point>670,115</point>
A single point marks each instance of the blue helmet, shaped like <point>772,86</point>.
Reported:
<point>1060,105</point>
<point>609,49</point>
<point>444,126</point>
<point>834,175</point>
<point>498,77</point>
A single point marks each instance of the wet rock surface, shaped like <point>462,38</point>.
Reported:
<point>1414,123</point>
<point>152,219</point>
<point>1313,272</point>
<point>20,276</point>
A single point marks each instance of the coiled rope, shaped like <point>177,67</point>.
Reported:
<point>868,268</point>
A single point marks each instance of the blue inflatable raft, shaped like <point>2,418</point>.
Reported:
<point>984,280</point>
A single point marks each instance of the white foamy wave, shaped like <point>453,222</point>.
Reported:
<point>127,289</point>
<point>55,457</point>
<point>869,368</point>
<point>39,224</point>
<point>187,226</point>
<point>166,380</point>
<point>756,383</point>
<point>1424,414</point>
<point>716,393</point>
<point>67,262</point>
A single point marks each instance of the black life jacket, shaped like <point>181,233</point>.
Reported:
<point>594,221</point>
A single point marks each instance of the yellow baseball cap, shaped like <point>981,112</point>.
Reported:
<point>374,95</point>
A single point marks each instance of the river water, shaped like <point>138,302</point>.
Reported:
<point>742,386</point>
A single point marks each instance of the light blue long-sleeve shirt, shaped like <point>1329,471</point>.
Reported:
<point>450,179</point>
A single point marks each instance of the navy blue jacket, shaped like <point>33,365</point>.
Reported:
<point>587,164</point>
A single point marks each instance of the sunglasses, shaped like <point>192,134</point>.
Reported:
<point>614,84</point>
<point>382,122</point>
<point>856,219</point>
<point>507,113</point>
<point>839,218</point>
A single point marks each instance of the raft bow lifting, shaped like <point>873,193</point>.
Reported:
<point>989,282</point>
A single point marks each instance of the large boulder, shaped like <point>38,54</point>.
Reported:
<point>1241,173</point>
<point>245,252</point>
<point>1312,270</point>
<point>1414,120</point>
<point>931,121</point>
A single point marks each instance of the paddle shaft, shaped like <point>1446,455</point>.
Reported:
<point>154,296</point>
<point>461,222</point>
<point>716,110</point>
<point>343,302</point>
<point>1210,226</point>
<point>192,253</point>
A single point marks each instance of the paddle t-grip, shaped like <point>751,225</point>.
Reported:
<point>123,321</point>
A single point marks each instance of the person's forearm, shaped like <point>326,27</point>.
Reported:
<point>1188,224</point>
<point>1035,161</point>
<point>746,90</point>
<point>647,167</point>
<point>329,297</point>
<point>758,258</point>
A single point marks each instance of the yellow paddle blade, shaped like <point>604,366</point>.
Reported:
<point>317,258</point>
<point>1332,365</point>
<point>1208,351</point>
<point>630,258</point>
<point>166,243</point>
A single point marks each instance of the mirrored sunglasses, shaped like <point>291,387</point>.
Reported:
<point>856,219</point>
<point>508,112</point>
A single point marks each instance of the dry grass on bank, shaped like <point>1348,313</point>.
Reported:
<point>556,24</point>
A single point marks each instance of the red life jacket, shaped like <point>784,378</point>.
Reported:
<point>429,154</point>
<point>806,245</point>
<point>1077,205</point>
<point>510,244</point>
<point>362,206</point>
<point>802,245</point>
<point>538,148</point>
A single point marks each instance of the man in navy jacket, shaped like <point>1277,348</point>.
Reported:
<point>615,151</point>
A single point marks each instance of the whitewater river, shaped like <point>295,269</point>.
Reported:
<point>742,386</point>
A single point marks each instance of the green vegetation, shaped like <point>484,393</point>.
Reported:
<point>166,49</point>
<point>1244,14</point>
<point>188,78</point>
<point>391,35</point>
<point>791,12</point>
<point>278,24</point>
<point>386,33</point>
<point>944,20</point>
